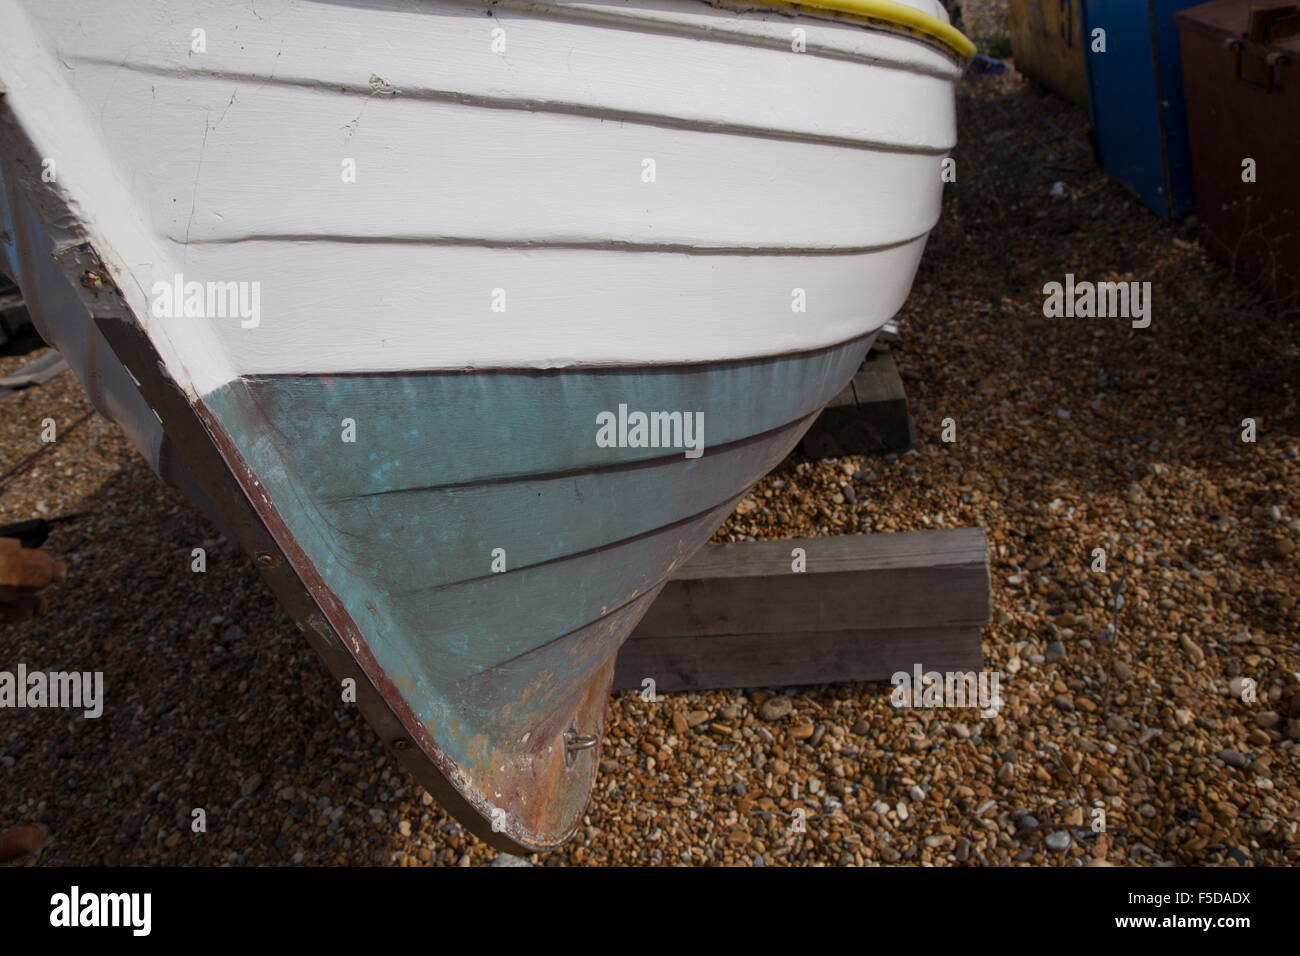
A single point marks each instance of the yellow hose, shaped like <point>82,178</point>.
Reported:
<point>893,14</point>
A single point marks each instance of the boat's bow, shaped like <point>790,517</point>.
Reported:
<point>472,322</point>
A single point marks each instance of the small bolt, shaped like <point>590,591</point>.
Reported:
<point>266,560</point>
<point>400,744</point>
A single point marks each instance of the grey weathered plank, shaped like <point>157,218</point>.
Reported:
<point>867,606</point>
<point>783,659</point>
<point>933,578</point>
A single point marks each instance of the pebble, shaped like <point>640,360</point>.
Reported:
<point>1232,758</point>
<point>1055,651</point>
<point>774,708</point>
<point>1268,719</point>
<point>1058,840</point>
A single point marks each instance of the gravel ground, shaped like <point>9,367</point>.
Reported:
<point>1122,691</point>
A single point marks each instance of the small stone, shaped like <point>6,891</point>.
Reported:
<point>679,722</point>
<point>509,859</point>
<point>1232,757</point>
<point>250,785</point>
<point>802,730</point>
<point>861,728</point>
<point>774,708</point>
<point>1268,719</point>
<point>1191,649</point>
<point>232,634</point>
<point>1055,651</point>
<point>1059,840</point>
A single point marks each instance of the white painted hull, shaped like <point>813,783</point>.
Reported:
<point>519,171</point>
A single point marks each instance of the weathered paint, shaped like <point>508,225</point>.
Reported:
<point>403,534</point>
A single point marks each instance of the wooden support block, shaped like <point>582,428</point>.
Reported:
<point>867,606</point>
<point>868,417</point>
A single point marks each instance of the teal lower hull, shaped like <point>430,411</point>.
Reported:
<point>490,552</point>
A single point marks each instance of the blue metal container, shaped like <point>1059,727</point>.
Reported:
<point>1135,97</point>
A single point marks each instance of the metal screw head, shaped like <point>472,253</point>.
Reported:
<point>401,744</point>
<point>266,560</point>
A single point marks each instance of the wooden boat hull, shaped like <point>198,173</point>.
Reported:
<point>424,433</point>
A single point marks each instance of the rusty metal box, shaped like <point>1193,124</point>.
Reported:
<point>1241,75</point>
